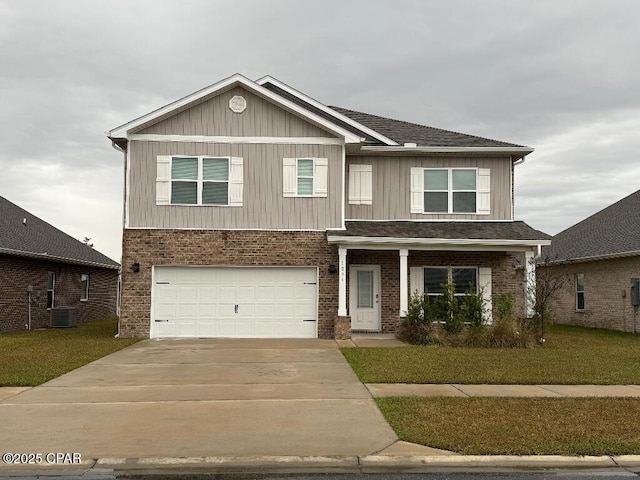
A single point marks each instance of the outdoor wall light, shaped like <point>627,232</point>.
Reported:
<point>333,269</point>
<point>135,268</point>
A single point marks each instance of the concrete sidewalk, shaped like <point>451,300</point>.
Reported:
<point>457,390</point>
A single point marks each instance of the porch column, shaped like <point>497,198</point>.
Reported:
<point>342,282</point>
<point>404,286</point>
<point>529,282</point>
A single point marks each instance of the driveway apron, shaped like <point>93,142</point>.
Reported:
<point>198,398</point>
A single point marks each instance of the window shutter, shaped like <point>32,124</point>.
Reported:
<point>289,177</point>
<point>163,180</point>
<point>236,177</point>
<point>484,282</point>
<point>416,280</point>
<point>320,177</point>
<point>417,190</point>
<point>484,191</point>
<point>360,184</point>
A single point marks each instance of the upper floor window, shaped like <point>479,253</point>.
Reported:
<point>84,287</point>
<point>580,291</point>
<point>304,177</point>
<point>199,180</point>
<point>450,190</point>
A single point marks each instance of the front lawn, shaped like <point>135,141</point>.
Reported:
<point>517,426</point>
<point>32,358</point>
<point>571,355</point>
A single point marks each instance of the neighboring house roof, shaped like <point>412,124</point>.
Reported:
<point>35,238</point>
<point>405,132</point>
<point>448,232</point>
<point>612,232</point>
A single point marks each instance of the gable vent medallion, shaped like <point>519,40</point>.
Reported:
<point>237,104</point>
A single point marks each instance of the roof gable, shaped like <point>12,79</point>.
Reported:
<point>24,234</point>
<point>222,86</point>
<point>611,232</point>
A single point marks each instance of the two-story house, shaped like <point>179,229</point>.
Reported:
<point>253,210</point>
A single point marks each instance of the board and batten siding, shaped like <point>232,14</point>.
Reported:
<point>392,187</point>
<point>213,117</point>
<point>263,204</point>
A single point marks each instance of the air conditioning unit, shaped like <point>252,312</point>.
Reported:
<point>63,317</point>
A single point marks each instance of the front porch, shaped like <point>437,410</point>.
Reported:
<point>377,275</point>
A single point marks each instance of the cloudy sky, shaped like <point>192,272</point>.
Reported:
<point>560,76</point>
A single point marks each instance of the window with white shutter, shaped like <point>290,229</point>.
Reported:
<point>199,180</point>
<point>304,177</point>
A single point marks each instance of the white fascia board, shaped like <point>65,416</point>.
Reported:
<point>401,149</point>
<point>593,258</point>
<point>122,131</point>
<point>324,108</point>
<point>154,137</point>
<point>436,242</point>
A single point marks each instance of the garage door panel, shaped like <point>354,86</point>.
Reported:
<point>201,302</point>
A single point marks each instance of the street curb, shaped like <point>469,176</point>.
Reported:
<point>367,462</point>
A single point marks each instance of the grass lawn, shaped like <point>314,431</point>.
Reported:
<point>518,426</point>
<point>571,355</point>
<point>32,358</point>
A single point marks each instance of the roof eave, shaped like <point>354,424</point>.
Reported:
<point>435,242</point>
<point>516,152</point>
<point>123,130</point>
<point>56,258</point>
<point>591,258</point>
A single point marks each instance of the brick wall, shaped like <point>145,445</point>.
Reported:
<point>505,278</point>
<point>604,284</point>
<point>216,247</point>
<point>16,274</point>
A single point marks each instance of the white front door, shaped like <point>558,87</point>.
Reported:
<point>364,297</point>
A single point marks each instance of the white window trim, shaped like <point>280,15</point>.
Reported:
<point>298,177</point>
<point>450,191</point>
<point>52,290</point>
<point>290,177</point>
<point>164,180</point>
<point>82,276</point>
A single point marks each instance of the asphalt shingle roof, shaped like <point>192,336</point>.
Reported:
<point>612,231</point>
<point>446,230</point>
<point>405,132</point>
<point>37,238</point>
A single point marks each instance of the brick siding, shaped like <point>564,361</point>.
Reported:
<point>505,277</point>
<point>604,284</point>
<point>16,274</point>
<point>216,247</point>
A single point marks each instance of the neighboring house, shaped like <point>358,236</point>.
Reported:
<point>42,267</point>
<point>252,210</point>
<point>597,258</point>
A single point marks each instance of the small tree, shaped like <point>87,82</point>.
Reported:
<point>542,291</point>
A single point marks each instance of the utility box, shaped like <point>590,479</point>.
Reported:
<point>63,317</point>
<point>635,292</point>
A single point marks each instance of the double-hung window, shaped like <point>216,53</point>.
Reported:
<point>84,287</point>
<point>199,180</point>
<point>51,285</point>
<point>450,190</point>
<point>580,291</point>
<point>446,191</point>
<point>464,278</point>
<point>304,177</point>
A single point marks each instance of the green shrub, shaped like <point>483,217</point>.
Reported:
<point>507,331</point>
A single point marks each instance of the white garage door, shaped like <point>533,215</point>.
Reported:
<point>241,302</point>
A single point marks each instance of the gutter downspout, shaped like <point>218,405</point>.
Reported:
<point>124,203</point>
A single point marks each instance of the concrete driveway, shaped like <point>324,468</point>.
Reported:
<point>193,398</point>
